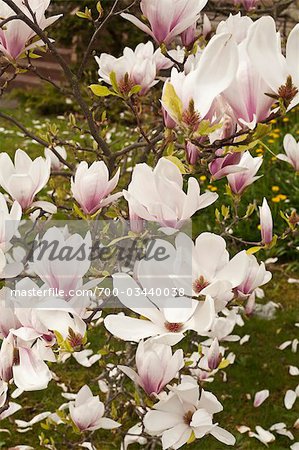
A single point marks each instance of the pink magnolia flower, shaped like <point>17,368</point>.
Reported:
<point>247,93</point>
<point>156,366</point>
<point>256,276</point>
<point>9,222</point>
<point>28,370</point>
<point>56,164</point>
<point>16,37</point>
<point>87,412</point>
<point>134,67</point>
<point>239,181</point>
<point>247,4</point>
<point>264,49</point>
<point>192,153</point>
<point>221,167</point>
<point>266,223</point>
<point>91,186</point>
<point>198,89</point>
<point>62,274</point>
<point>291,148</point>
<point>167,18</point>
<point>24,178</point>
<point>3,392</point>
<point>157,195</point>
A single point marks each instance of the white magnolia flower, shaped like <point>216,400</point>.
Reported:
<point>134,67</point>
<point>157,195</point>
<point>291,147</point>
<point>87,412</point>
<point>156,366</point>
<point>24,178</point>
<point>185,411</point>
<point>91,186</point>
<point>169,321</point>
<point>264,48</point>
<point>56,164</point>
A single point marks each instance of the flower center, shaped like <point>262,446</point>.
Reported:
<point>190,117</point>
<point>173,327</point>
<point>288,91</point>
<point>188,417</point>
<point>199,284</point>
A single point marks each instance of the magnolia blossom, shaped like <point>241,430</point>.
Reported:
<point>185,411</point>
<point>246,94</point>
<point>197,90</point>
<point>239,181</point>
<point>17,37</point>
<point>266,223</point>
<point>278,71</point>
<point>156,366</point>
<point>24,178</point>
<point>247,4</point>
<point>56,164</point>
<point>221,167</point>
<point>167,18</point>
<point>135,67</point>
<point>9,221</point>
<point>29,371</point>
<point>61,259</point>
<point>291,148</point>
<point>3,392</point>
<point>192,153</point>
<point>224,325</point>
<point>212,272</point>
<point>157,195</point>
<point>168,318</point>
<point>87,412</point>
<point>256,276</point>
<point>91,186</point>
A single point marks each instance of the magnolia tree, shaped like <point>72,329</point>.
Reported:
<point>107,270</point>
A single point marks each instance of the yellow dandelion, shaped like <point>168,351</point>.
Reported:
<point>259,227</point>
<point>275,188</point>
<point>275,135</point>
<point>282,197</point>
<point>273,158</point>
<point>271,141</point>
<point>202,178</point>
<point>273,121</point>
<point>212,188</point>
<point>285,119</point>
<point>276,199</point>
<point>277,130</point>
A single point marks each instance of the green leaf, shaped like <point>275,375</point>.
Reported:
<point>113,81</point>
<point>78,212</point>
<point>82,15</point>
<point>206,128</point>
<point>253,250</point>
<point>191,438</point>
<point>224,363</point>
<point>172,101</point>
<point>100,9</point>
<point>178,163</point>
<point>261,131</point>
<point>135,90</point>
<point>100,91</point>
